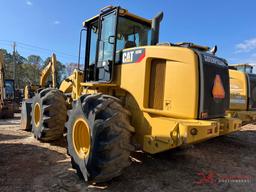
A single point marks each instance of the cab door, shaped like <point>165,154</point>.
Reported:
<point>106,48</point>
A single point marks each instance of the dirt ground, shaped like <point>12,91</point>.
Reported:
<point>226,163</point>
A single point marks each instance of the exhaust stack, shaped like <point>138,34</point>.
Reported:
<point>156,27</point>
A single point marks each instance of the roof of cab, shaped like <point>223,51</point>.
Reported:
<point>242,64</point>
<point>122,12</point>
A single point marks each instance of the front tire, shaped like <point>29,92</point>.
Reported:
<point>49,114</point>
<point>99,137</point>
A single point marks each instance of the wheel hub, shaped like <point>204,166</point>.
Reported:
<point>37,114</point>
<point>81,138</point>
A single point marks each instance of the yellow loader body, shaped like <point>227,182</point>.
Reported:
<point>239,97</point>
<point>164,114</point>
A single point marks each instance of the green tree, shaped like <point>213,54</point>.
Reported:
<point>28,69</point>
<point>36,61</point>
<point>9,66</point>
<point>26,74</point>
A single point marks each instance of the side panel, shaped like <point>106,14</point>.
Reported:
<point>175,82</point>
<point>238,90</point>
<point>182,87</point>
<point>163,83</point>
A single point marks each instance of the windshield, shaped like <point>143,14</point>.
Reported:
<point>9,89</point>
<point>246,69</point>
<point>132,34</point>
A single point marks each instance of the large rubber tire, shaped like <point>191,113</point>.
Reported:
<point>7,111</point>
<point>25,122</point>
<point>51,106</point>
<point>110,137</point>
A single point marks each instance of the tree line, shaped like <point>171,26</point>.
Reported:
<point>27,69</point>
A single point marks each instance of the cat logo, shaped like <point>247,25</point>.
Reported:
<point>218,91</point>
<point>133,56</point>
<point>128,56</point>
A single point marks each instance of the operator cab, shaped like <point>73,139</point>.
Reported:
<point>246,68</point>
<point>110,32</point>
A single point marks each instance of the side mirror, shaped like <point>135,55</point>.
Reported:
<point>111,39</point>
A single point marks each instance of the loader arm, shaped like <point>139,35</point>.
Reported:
<point>50,68</point>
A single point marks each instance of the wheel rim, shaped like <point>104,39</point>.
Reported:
<point>81,138</point>
<point>37,114</point>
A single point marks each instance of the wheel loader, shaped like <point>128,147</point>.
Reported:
<point>7,93</point>
<point>133,93</point>
<point>30,90</point>
<point>242,93</point>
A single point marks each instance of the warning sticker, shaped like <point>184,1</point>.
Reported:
<point>218,91</point>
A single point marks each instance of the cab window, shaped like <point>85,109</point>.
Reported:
<point>132,34</point>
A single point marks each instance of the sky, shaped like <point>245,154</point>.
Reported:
<point>44,26</point>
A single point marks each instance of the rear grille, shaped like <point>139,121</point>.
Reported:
<point>252,89</point>
<point>212,70</point>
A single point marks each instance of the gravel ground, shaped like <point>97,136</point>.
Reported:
<point>225,163</point>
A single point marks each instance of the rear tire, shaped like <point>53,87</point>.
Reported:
<point>7,111</point>
<point>103,154</point>
<point>26,108</point>
<point>49,114</point>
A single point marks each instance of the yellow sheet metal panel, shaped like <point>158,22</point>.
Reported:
<point>181,91</point>
<point>180,94</point>
<point>66,84</point>
<point>238,90</point>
